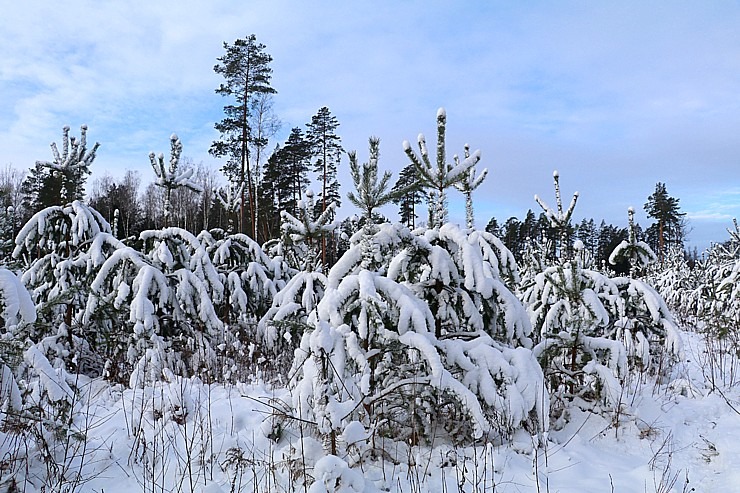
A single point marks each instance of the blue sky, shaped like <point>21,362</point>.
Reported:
<point>615,95</point>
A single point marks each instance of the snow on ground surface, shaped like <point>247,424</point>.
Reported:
<point>157,440</point>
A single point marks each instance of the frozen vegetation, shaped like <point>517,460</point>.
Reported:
<point>421,360</point>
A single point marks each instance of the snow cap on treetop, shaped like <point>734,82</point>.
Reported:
<point>406,145</point>
<point>578,245</point>
<point>65,128</point>
<point>441,113</point>
<point>173,137</point>
<point>555,174</point>
<point>82,127</point>
<point>631,210</point>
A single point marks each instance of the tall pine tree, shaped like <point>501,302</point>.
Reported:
<point>285,178</point>
<point>669,229</point>
<point>412,195</point>
<point>246,68</point>
<point>326,151</point>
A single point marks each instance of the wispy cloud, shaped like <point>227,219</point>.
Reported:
<point>617,96</point>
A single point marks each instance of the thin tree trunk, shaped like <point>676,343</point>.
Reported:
<point>660,240</point>
<point>323,204</point>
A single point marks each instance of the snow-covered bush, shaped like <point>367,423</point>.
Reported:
<point>465,277</point>
<point>638,254</point>
<point>168,295</point>
<point>568,309</point>
<point>54,249</point>
<point>645,325</point>
<point>17,309</point>
<point>282,326</point>
<point>333,475</point>
<point>409,349</point>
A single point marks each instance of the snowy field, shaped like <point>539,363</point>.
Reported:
<point>187,436</point>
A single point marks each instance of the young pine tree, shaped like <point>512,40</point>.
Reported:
<point>171,178</point>
<point>439,176</point>
<point>61,180</point>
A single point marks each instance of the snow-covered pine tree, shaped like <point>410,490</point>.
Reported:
<point>440,176</point>
<point>169,177</point>
<point>249,276</point>
<point>281,328</point>
<point>467,279</point>
<point>645,326</point>
<point>638,254</point>
<point>18,309</point>
<point>735,232</point>
<point>230,198</point>
<point>300,242</point>
<point>7,235</point>
<point>468,185</point>
<point>372,347</point>
<point>251,279</point>
<point>71,167</point>
<point>53,248</point>
<point>718,293</point>
<point>536,257</point>
<point>559,219</point>
<point>168,293</point>
<point>592,329</point>
<point>680,284</point>
<point>371,194</point>
<point>570,308</point>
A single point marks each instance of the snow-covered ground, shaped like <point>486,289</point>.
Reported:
<point>187,436</point>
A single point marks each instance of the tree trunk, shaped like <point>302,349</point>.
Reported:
<point>323,205</point>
